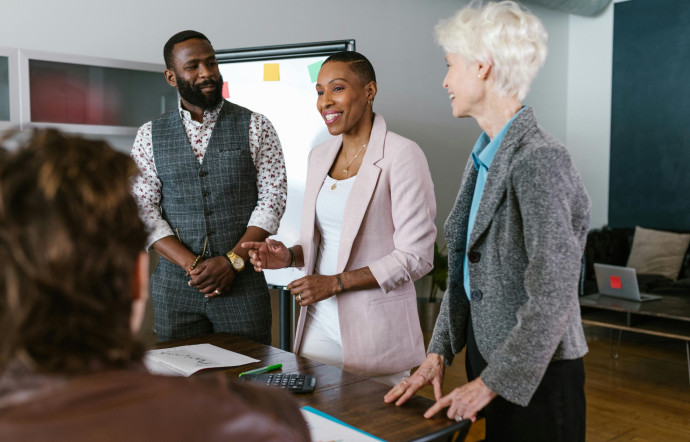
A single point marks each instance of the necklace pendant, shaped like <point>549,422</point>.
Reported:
<point>346,171</point>
<point>334,186</point>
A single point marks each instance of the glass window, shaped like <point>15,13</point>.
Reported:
<point>82,94</point>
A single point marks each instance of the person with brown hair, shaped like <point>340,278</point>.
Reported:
<point>73,290</point>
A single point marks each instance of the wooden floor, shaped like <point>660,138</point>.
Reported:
<point>644,395</point>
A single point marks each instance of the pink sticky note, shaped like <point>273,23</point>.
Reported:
<point>226,91</point>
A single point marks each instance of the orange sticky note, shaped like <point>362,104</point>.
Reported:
<point>271,71</point>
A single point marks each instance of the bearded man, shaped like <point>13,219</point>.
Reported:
<point>212,177</point>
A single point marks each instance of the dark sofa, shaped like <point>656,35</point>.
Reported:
<point>612,246</point>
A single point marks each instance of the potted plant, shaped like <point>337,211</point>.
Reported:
<point>430,305</point>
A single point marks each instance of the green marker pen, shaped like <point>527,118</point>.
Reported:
<point>262,370</point>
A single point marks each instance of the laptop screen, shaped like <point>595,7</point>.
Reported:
<point>617,281</point>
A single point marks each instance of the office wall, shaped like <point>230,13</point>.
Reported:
<point>397,35</point>
<point>590,58</point>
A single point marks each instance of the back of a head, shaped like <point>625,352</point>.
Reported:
<point>69,239</point>
<point>503,34</point>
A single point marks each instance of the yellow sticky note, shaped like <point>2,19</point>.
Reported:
<point>271,71</point>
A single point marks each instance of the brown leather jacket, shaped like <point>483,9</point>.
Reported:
<point>132,405</point>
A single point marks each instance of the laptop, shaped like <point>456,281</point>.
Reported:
<point>620,282</point>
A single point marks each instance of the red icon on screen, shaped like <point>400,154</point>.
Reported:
<point>615,282</point>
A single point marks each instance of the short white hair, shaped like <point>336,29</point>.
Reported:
<point>509,38</point>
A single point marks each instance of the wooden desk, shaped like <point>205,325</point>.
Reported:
<point>668,317</point>
<point>351,398</point>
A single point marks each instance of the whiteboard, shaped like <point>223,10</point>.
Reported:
<point>282,87</point>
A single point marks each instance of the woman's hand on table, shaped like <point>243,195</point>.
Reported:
<point>464,402</point>
<point>430,372</point>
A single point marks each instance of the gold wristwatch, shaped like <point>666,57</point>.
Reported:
<point>235,261</point>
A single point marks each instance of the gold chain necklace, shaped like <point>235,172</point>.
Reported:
<point>346,170</point>
<point>349,163</point>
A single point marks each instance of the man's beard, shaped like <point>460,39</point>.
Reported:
<point>194,96</point>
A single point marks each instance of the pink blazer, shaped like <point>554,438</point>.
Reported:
<point>388,226</point>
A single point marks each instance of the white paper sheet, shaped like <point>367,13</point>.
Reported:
<point>189,359</point>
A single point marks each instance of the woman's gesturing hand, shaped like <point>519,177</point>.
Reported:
<point>269,254</point>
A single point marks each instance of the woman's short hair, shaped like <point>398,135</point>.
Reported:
<point>359,64</point>
<point>509,38</point>
<point>70,236</point>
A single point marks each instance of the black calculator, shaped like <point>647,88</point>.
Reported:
<point>293,382</point>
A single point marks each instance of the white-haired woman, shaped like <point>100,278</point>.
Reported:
<point>515,238</point>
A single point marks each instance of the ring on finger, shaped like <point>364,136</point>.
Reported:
<point>299,296</point>
<point>458,418</point>
<point>217,292</point>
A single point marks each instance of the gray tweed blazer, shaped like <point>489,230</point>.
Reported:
<point>525,255</point>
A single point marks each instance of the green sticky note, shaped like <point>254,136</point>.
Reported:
<point>314,70</point>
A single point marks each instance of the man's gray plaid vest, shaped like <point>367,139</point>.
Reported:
<point>212,202</point>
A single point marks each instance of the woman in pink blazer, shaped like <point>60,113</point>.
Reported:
<point>367,234</point>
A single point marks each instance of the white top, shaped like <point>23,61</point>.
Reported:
<point>330,208</point>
